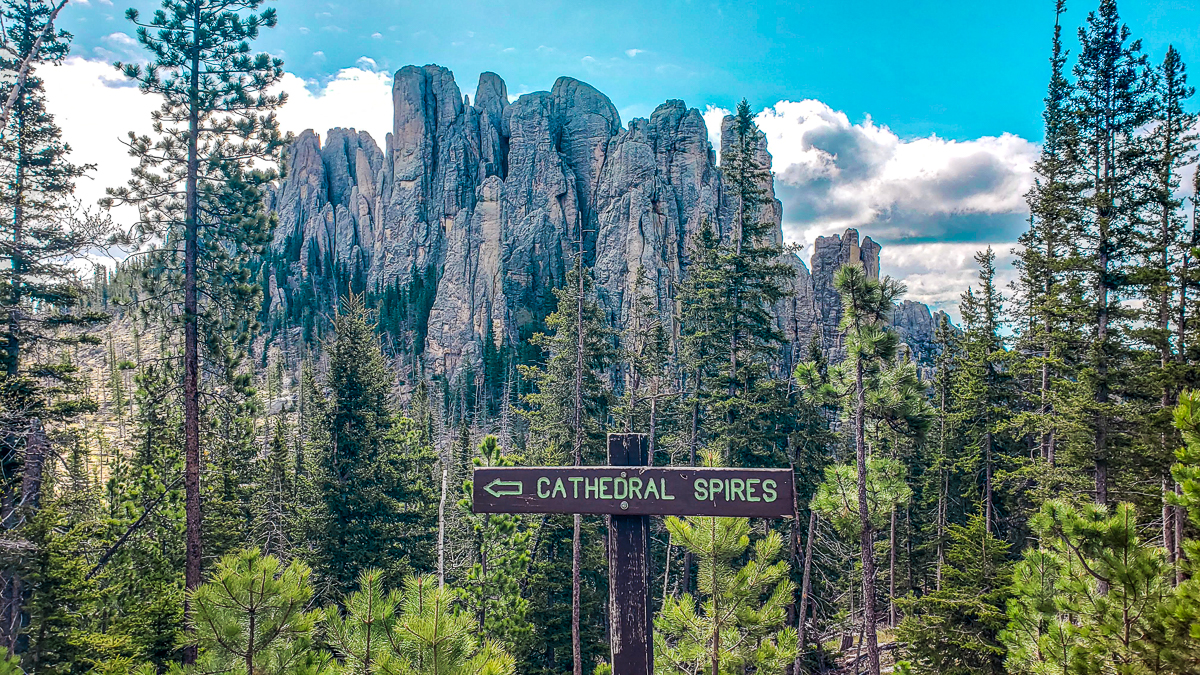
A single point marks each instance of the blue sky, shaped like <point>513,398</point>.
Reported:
<point>957,69</point>
<point>928,111</point>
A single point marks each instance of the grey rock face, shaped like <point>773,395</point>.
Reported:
<point>489,202</point>
<point>829,254</point>
<point>917,328</point>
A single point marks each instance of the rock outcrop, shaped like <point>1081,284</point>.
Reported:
<point>481,209</point>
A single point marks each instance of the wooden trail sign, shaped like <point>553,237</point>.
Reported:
<point>629,492</point>
<point>635,491</point>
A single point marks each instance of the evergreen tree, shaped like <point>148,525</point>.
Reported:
<point>252,617</point>
<point>1111,104</point>
<point>491,590</point>
<point>1087,599</point>
<point>984,393</point>
<point>955,630</point>
<point>61,639</point>
<point>44,230</point>
<point>867,305</point>
<point>737,624</point>
<point>1160,275</point>
<point>198,192</point>
<point>1050,292</point>
<point>568,405</point>
<point>414,632</point>
<point>141,569</point>
<point>375,474</point>
<point>276,494</point>
<point>729,335</point>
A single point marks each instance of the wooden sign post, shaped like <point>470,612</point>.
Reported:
<point>629,492</point>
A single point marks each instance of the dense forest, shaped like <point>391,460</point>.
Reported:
<point>189,483</point>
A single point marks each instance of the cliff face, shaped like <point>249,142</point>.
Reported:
<point>483,205</point>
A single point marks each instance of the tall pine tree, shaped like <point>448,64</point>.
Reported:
<point>197,189</point>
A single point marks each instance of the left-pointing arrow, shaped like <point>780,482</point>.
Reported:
<point>504,488</point>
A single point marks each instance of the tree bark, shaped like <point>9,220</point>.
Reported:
<point>805,585</point>
<point>576,534</point>
<point>191,357</point>
<point>867,540</point>
<point>1180,523</point>
<point>987,481</point>
<point>442,533</point>
<point>892,571</point>
<point>1168,528</point>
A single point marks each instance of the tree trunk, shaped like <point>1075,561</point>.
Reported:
<point>26,64</point>
<point>191,346</point>
<point>35,461</point>
<point>716,611</point>
<point>442,533</point>
<point>1168,529</point>
<point>805,584</point>
<point>987,481</point>
<point>943,490</point>
<point>1180,523</point>
<point>687,556</point>
<point>892,571</point>
<point>576,542</point>
<point>867,540</point>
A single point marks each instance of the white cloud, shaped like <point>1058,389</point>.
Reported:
<point>634,52</point>
<point>355,97</point>
<point>376,36</point>
<point>932,202</point>
<point>319,54</point>
<point>864,175</point>
<point>712,119</point>
<point>303,30</point>
<point>120,47</point>
<point>938,273</point>
<point>96,107</point>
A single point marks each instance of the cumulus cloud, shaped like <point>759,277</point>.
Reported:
<point>932,202</point>
<point>634,52</point>
<point>356,97</point>
<point>864,175</point>
<point>938,273</point>
<point>96,107</point>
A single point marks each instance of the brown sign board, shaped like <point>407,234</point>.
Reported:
<point>635,491</point>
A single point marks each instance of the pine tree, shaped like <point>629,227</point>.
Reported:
<point>276,495</point>
<point>141,567</point>
<point>955,630</point>
<point>252,617</point>
<point>738,621</point>
<point>1050,294</point>
<point>491,590</point>
<point>1161,274</point>
<point>44,230</point>
<point>984,391</point>
<point>42,309</point>
<point>415,631</point>
<point>1087,599</point>
<point>198,192</point>
<point>1112,106</point>
<point>730,338</point>
<point>375,473</point>
<point>568,406</point>
<point>870,344</point>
